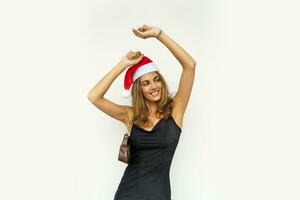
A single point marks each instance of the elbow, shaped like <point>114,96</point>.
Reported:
<point>191,64</point>
<point>194,64</point>
<point>94,98</point>
<point>90,97</point>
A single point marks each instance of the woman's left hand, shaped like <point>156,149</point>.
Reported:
<point>146,31</point>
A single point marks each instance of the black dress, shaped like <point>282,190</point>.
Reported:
<point>146,176</point>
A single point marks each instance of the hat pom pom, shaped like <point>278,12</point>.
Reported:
<point>126,93</point>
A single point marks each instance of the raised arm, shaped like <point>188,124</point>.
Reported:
<point>187,62</point>
<point>96,94</point>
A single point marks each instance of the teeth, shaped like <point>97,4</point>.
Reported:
<point>154,93</point>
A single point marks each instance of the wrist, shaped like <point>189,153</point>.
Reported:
<point>159,33</point>
<point>123,65</point>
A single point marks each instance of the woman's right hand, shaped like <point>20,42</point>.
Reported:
<point>131,58</point>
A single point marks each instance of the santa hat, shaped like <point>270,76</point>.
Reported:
<point>134,72</point>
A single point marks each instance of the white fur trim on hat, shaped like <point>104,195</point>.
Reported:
<point>126,93</point>
<point>149,67</point>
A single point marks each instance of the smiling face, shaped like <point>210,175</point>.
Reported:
<point>151,86</point>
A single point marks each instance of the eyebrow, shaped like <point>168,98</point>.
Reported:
<point>148,80</point>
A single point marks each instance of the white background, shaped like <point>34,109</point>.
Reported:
<point>240,138</point>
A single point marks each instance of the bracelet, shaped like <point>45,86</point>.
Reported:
<point>159,33</point>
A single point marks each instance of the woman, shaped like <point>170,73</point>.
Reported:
<point>157,121</point>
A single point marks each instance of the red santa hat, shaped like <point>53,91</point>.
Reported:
<point>135,71</point>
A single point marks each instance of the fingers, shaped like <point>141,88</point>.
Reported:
<point>143,28</point>
<point>137,55</point>
<point>134,55</point>
<point>137,32</point>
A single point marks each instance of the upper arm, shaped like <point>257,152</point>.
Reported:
<point>116,111</point>
<point>183,94</point>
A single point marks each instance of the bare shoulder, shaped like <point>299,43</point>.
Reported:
<point>177,114</point>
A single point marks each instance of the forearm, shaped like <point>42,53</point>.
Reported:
<point>181,55</point>
<point>104,84</point>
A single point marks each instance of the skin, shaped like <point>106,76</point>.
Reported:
<point>181,99</point>
<point>150,82</point>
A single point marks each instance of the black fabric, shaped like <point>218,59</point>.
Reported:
<point>146,176</point>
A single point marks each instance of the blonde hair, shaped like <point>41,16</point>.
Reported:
<point>140,109</point>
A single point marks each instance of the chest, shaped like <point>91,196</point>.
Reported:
<point>163,134</point>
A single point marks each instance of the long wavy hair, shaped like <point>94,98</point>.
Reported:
<point>140,109</point>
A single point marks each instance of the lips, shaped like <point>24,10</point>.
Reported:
<point>155,93</point>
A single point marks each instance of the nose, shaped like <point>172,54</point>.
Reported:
<point>153,86</point>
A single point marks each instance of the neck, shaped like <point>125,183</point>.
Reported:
<point>152,107</point>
